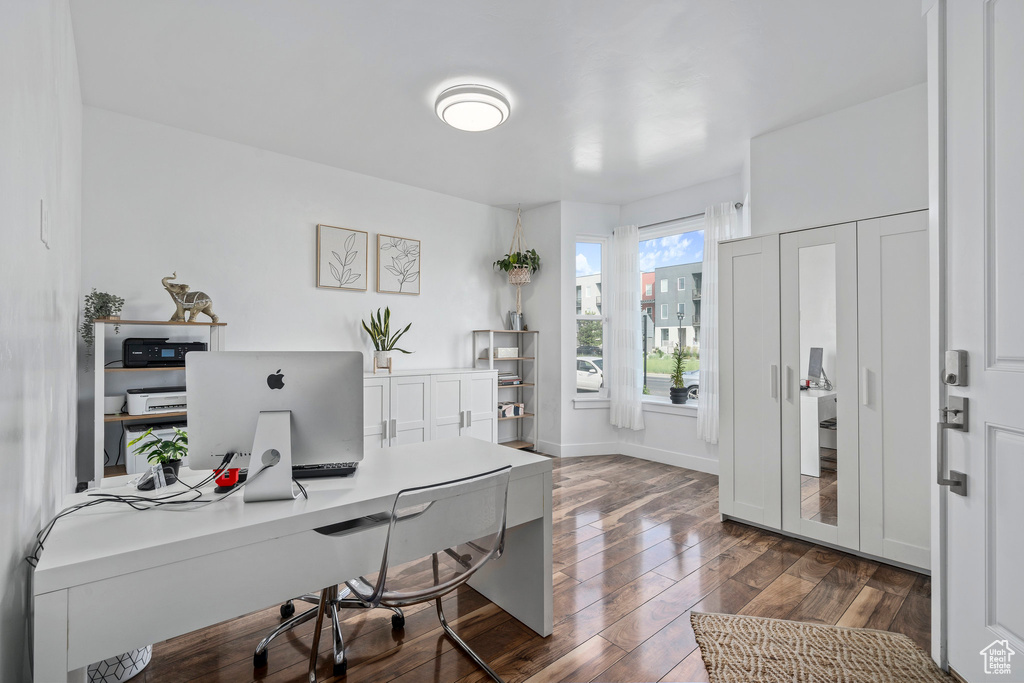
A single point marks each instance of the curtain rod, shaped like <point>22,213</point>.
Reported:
<point>738,205</point>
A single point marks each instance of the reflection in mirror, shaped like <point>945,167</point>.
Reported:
<point>818,396</point>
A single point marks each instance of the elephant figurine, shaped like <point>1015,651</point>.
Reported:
<point>184,300</point>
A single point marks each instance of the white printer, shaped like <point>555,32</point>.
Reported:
<point>156,400</point>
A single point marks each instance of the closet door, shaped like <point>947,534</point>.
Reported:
<point>376,411</point>
<point>820,463</point>
<point>410,409</point>
<point>895,425</point>
<point>749,406</point>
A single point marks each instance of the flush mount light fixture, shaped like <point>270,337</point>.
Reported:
<point>472,107</point>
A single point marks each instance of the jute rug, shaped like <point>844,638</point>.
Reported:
<point>757,650</point>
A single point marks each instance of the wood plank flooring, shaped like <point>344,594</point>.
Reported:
<point>637,546</point>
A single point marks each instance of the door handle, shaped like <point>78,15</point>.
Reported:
<point>865,390</point>
<point>957,481</point>
<point>774,379</point>
<point>469,418</point>
<point>394,427</point>
<point>384,433</point>
<point>462,419</point>
<point>789,383</point>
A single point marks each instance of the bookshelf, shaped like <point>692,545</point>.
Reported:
<point>523,431</point>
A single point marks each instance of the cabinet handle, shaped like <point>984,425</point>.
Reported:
<point>774,379</point>
<point>462,419</point>
<point>865,391</point>
<point>469,418</point>
<point>394,427</point>
<point>384,433</point>
<point>789,383</point>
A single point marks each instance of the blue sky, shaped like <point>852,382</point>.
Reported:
<point>588,258</point>
<point>662,251</point>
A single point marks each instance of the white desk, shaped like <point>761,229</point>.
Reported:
<point>816,405</point>
<point>97,587</point>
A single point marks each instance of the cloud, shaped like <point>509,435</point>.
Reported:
<point>582,266</point>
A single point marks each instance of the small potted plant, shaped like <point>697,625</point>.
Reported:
<point>164,452</point>
<point>98,305</point>
<point>678,391</point>
<point>528,260</point>
<point>383,341</point>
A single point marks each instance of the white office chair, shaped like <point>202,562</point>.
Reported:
<point>430,520</point>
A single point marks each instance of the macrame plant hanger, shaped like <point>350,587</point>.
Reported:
<point>519,275</point>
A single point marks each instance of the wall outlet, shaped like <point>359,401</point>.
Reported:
<point>44,223</point>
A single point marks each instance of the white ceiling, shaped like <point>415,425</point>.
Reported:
<point>612,100</point>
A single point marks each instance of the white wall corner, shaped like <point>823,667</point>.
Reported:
<point>692,462</point>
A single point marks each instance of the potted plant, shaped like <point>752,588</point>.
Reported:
<point>98,305</point>
<point>677,392</point>
<point>528,260</point>
<point>383,341</point>
<point>164,452</point>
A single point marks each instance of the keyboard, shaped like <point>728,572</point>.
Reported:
<point>329,469</point>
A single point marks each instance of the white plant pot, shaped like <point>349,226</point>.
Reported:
<point>382,358</point>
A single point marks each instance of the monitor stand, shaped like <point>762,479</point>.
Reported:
<point>270,465</point>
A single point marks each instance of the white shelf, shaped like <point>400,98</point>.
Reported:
<point>527,432</point>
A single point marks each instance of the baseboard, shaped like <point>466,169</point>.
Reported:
<point>693,462</point>
<point>576,450</point>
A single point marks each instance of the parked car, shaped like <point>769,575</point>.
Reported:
<point>589,373</point>
<point>691,382</point>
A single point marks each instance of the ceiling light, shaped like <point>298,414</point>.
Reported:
<point>472,107</point>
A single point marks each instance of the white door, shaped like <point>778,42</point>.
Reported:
<point>984,198</point>
<point>446,396</point>
<point>895,376</point>
<point>750,401</point>
<point>376,411</point>
<point>818,297</point>
<point>480,403</point>
<point>410,409</point>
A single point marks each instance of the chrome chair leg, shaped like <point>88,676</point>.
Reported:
<point>340,664</point>
<point>462,645</point>
<point>285,626</point>
<point>315,648</point>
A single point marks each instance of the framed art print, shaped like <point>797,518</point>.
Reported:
<point>398,265</point>
<point>341,258</point>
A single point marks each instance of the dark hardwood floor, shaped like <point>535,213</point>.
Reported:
<point>637,546</point>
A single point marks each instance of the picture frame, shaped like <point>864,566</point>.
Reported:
<point>398,265</point>
<point>342,258</point>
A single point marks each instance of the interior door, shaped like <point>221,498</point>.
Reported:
<point>818,316</point>
<point>750,401</point>
<point>446,395</point>
<point>984,200</point>
<point>895,375</point>
<point>376,411</point>
<point>410,409</point>
<point>480,402</point>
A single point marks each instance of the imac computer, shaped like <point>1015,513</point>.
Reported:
<point>274,410</point>
<point>815,371</point>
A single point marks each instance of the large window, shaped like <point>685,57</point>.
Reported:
<point>673,253</point>
<point>590,320</point>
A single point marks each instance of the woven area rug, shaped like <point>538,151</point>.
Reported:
<point>740,649</point>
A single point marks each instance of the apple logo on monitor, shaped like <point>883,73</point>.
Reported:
<point>276,380</point>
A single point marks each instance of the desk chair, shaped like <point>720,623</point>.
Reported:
<point>433,519</point>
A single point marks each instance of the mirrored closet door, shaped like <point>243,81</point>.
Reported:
<point>820,489</point>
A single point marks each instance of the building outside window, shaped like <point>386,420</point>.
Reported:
<point>673,252</point>
<point>591,324</point>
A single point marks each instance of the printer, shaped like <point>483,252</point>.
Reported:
<point>156,400</point>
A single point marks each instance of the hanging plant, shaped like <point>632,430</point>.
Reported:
<point>98,305</point>
<point>519,262</point>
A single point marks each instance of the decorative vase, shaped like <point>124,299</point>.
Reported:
<point>677,395</point>
<point>381,360</point>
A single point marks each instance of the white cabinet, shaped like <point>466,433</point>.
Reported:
<point>847,463</point>
<point>465,405</point>
<point>750,484</point>
<point>424,405</point>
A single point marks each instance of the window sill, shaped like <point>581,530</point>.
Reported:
<point>590,403</point>
<point>650,405</point>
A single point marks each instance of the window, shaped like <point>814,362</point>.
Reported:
<point>649,290</point>
<point>590,321</point>
<point>674,251</point>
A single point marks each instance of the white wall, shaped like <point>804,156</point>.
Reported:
<point>240,224</point>
<point>686,201</point>
<point>40,159</point>
<point>863,161</point>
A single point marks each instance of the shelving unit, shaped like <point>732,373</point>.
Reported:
<point>528,368</point>
<point>101,375</point>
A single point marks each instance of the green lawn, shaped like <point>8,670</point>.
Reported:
<point>664,365</point>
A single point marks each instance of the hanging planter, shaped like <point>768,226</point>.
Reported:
<point>520,263</point>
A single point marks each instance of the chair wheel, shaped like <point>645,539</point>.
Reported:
<point>287,610</point>
<point>340,669</point>
<point>397,621</point>
<point>259,660</point>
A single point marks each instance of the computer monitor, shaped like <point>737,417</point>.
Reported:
<point>813,366</point>
<point>228,390</point>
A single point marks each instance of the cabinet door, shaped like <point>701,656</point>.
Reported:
<point>750,487</point>
<point>480,403</point>
<point>446,395</point>
<point>410,409</point>
<point>895,429</point>
<point>376,412</point>
<point>818,316</point>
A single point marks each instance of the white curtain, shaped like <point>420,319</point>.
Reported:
<point>721,222</point>
<point>624,347</point>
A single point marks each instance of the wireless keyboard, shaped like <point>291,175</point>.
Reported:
<point>330,469</point>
